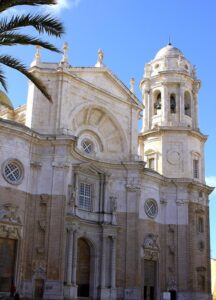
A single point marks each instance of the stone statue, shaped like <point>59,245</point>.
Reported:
<point>64,60</point>
<point>100,58</point>
<point>132,82</point>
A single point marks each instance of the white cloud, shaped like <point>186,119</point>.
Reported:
<point>62,5</point>
<point>211,181</point>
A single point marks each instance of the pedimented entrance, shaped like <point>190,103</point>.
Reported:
<point>149,292</point>
<point>83,268</point>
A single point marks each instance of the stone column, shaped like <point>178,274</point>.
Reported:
<point>147,114</point>
<point>74,258</point>
<point>103,261</point>
<point>70,256</point>
<point>113,262</point>
<point>164,105</point>
<point>195,115</point>
<point>181,104</point>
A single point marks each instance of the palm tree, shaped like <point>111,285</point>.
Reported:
<point>10,35</point>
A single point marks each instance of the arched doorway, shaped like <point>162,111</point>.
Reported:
<point>83,268</point>
<point>8,254</point>
<point>173,295</point>
<point>39,288</point>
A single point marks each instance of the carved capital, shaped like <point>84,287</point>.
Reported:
<point>35,164</point>
<point>60,164</point>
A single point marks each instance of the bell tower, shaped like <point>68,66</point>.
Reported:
<point>171,142</point>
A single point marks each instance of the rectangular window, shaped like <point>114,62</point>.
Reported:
<point>200,225</point>
<point>85,197</point>
<point>151,163</point>
<point>196,168</point>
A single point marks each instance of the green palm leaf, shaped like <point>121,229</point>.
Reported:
<point>17,65</point>
<point>43,24</point>
<point>3,81</point>
<point>10,36</point>
<point>5,4</point>
<point>20,39</point>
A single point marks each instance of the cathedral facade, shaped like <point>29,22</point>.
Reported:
<point>89,207</point>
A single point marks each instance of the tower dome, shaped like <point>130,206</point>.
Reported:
<point>169,58</point>
<point>168,51</point>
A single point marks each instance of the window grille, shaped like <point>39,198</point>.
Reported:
<point>195,168</point>
<point>13,171</point>
<point>85,197</point>
<point>87,146</point>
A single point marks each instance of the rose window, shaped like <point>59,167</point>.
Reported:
<point>151,208</point>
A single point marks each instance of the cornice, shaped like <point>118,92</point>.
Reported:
<point>106,164</point>
<point>188,182</point>
<point>24,132</point>
<point>68,72</point>
<point>161,129</point>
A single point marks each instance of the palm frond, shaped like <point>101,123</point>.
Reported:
<point>12,39</point>
<point>43,24</point>
<point>17,65</point>
<point>3,81</point>
<point>5,4</point>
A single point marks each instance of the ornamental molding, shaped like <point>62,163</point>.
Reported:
<point>39,268</point>
<point>10,231</point>
<point>150,247</point>
<point>35,164</point>
<point>60,165</point>
<point>132,188</point>
<point>9,213</point>
<point>150,242</point>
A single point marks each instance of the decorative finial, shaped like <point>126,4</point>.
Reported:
<point>194,72</point>
<point>132,82</point>
<point>65,54</point>
<point>169,41</point>
<point>100,59</point>
<point>37,57</point>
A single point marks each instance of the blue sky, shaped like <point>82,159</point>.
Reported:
<point>130,32</point>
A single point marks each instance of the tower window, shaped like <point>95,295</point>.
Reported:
<point>196,168</point>
<point>85,197</point>
<point>187,104</point>
<point>172,104</point>
<point>151,163</point>
<point>157,103</point>
<point>200,225</point>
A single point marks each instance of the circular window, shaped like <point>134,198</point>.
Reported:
<point>12,171</point>
<point>87,146</point>
<point>151,208</point>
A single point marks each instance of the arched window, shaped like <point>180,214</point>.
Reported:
<point>187,103</point>
<point>157,102</point>
<point>196,168</point>
<point>172,103</point>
